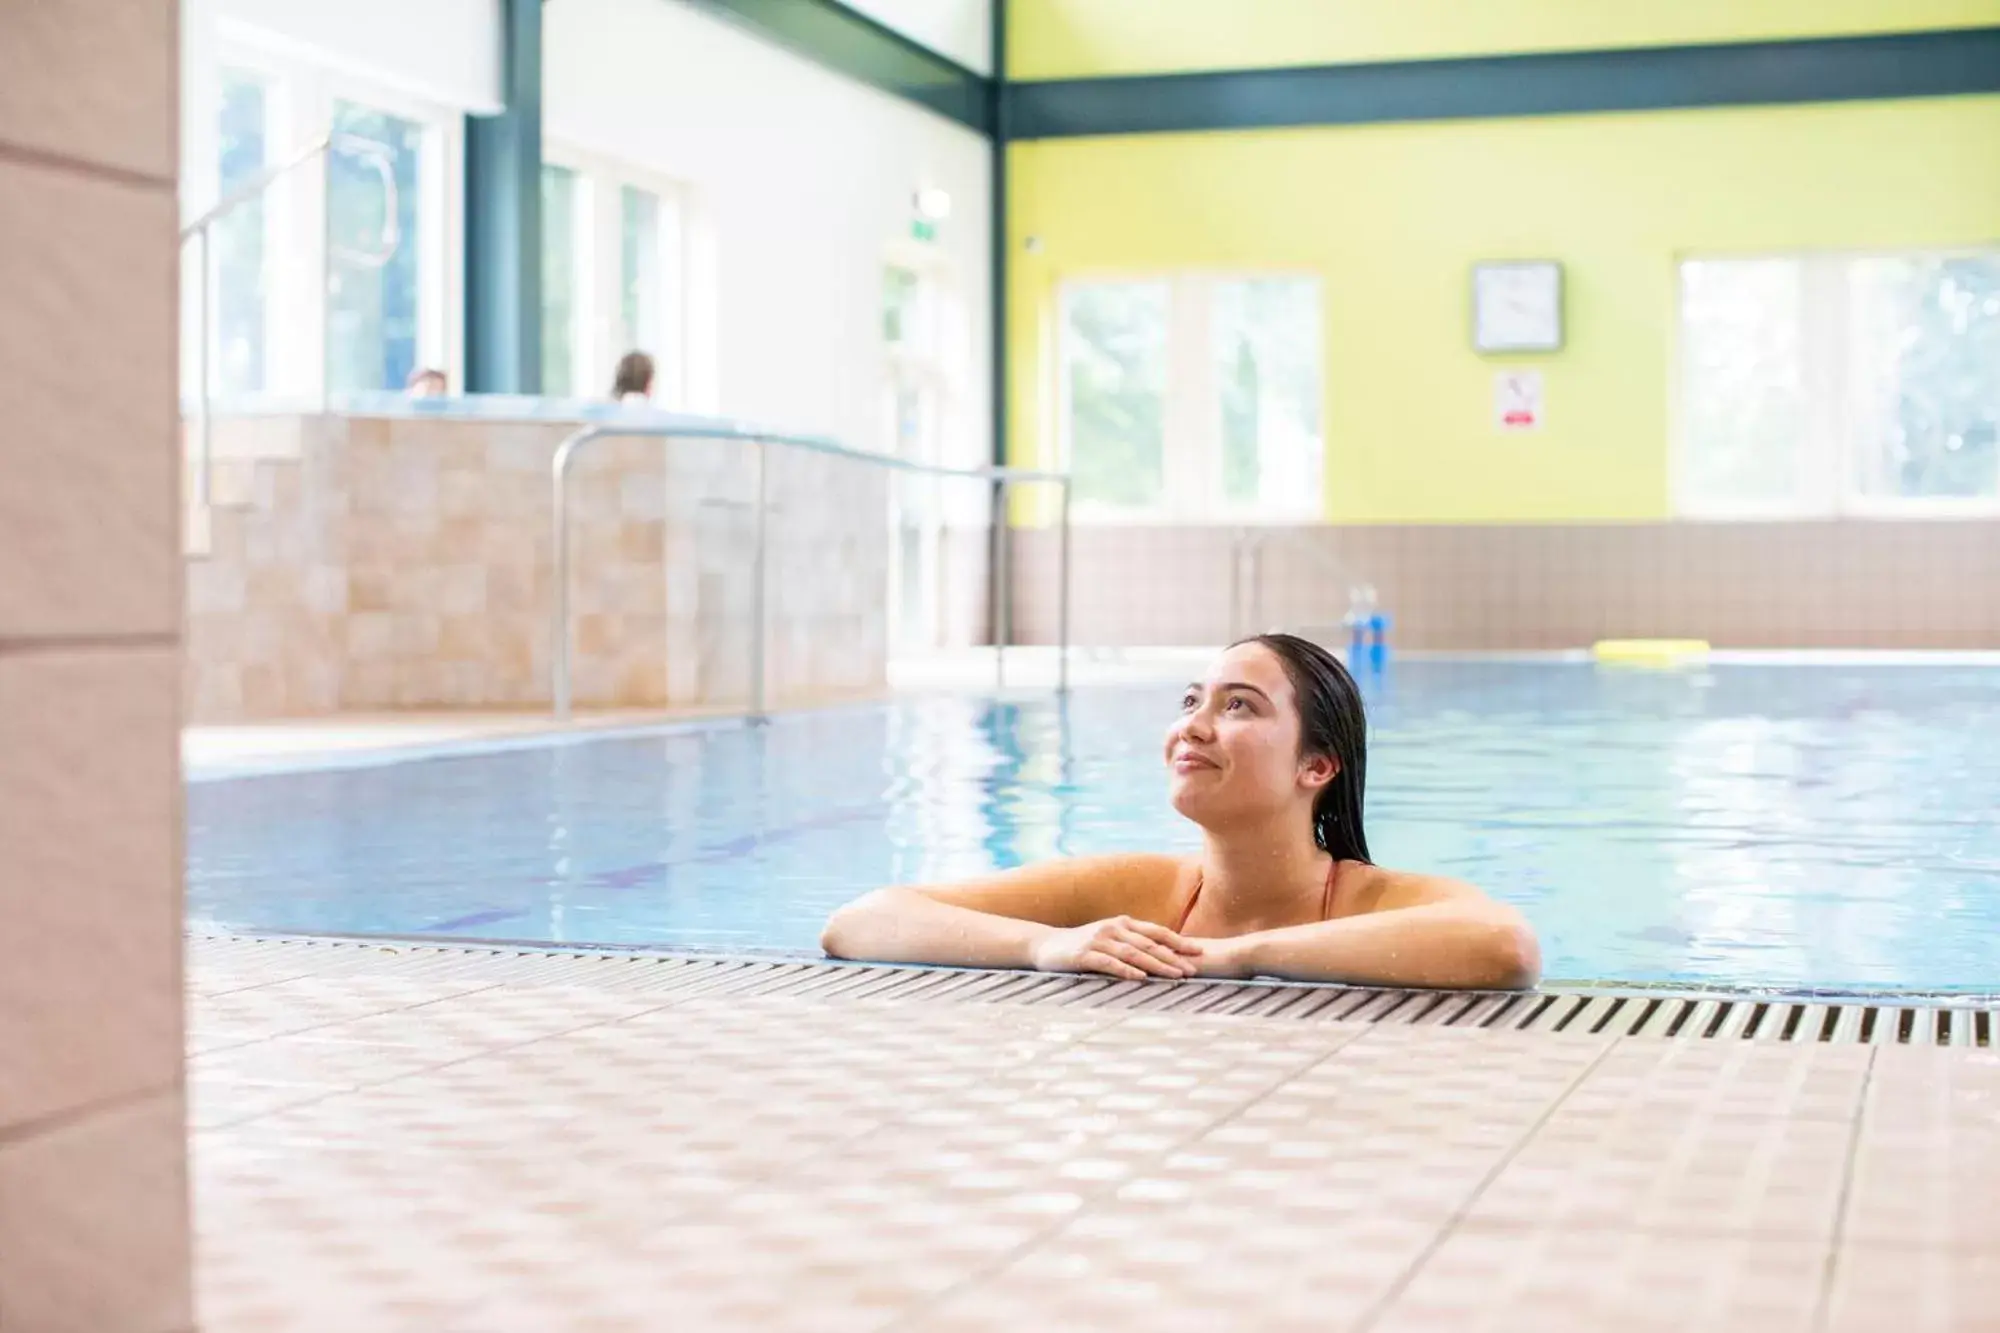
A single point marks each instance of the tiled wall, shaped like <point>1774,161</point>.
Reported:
<point>1843,584</point>
<point>93,1196</point>
<point>406,562</point>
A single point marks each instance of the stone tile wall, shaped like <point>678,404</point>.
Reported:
<point>93,1192</point>
<point>1892,584</point>
<point>358,563</point>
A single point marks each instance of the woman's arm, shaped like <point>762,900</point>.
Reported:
<point>1079,914</point>
<point>1419,931</point>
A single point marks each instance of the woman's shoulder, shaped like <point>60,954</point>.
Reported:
<point>1071,890</point>
<point>1149,885</point>
<point>1134,863</point>
<point>1142,884</point>
<point>1137,871</point>
<point>1362,886</point>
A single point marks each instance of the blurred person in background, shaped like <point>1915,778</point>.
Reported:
<point>633,381</point>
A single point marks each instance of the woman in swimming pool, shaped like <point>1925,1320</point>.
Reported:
<point>1269,756</point>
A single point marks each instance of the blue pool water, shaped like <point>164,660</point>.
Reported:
<point>1746,825</point>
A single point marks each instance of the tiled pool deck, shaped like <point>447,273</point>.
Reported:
<point>380,1143</point>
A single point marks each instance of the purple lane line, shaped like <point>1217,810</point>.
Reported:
<point>652,872</point>
<point>485,918</point>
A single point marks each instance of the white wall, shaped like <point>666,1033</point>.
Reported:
<point>802,183</point>
<point>441,51</point>
<point>960,30</point>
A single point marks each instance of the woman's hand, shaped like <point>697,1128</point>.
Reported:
<point>1119,946</point>
<point>1225,958</point>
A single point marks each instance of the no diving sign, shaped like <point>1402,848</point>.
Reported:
<point>1517,400</point>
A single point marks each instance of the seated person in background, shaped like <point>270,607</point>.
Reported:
<point>427,382</point>
<point>633,380</point>
<point>1268,757</point>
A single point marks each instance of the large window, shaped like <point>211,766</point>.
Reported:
<point>374,270</point>
<point>642,278</point>
<point>927,351</point>
<point>337,276</point>
<point>237,340</point>
<point>1268,371</point>
<point>1115,377</point>
<point>1194,398</point>
<point>560,262</point>
<point>1831,384</point>
<point>611,275</point>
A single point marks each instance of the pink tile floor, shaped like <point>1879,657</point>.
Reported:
<point>383,1144</point>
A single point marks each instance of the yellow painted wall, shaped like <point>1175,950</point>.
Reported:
<point>1392,219</point>
<point>1059,39</point>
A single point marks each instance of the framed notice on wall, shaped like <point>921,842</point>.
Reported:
<point>1517,400</point>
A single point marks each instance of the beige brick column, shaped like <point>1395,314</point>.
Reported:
<point>93,1193</point>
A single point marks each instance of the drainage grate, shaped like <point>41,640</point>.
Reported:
<point>1883,1020</point>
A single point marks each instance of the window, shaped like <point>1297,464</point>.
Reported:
<point>237,341</point>
<point>339,275</point>
<point>1822,385</point>
<point>560,305</point>
<point>926,358</point>
<point>1924,377</point>
<point>641,279</point>
<point>374,277</point>
<point>1193,398</point>
<point>906,301</point>
<point>1267,365</point>
<point>611,271</point>
<point>1115,375</point>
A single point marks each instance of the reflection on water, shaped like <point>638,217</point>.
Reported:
<point>1748,825</point>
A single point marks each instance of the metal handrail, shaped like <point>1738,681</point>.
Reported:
<point>1000,477</point>
<point>351,145</point>
<point>1246,546</point>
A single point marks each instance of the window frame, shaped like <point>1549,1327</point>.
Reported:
<point>202,179</point>
<point>1193,493</point>
<point>1830,450</point>
<point>601,182</point>
<point>582,262</point>
<point>300,93</point>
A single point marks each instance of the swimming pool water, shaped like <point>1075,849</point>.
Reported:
<point>1794,826</point>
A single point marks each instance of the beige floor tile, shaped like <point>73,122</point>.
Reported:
<point>1486,1279</point>
<point>1879,1287</point>
<point>1940,1188</point>
<point>316,1002</point>
<point>1689,1171</point>
<point>1927,1168</point>
<point>553,1154</point>
<point>1808,1081</point>
<point>1144,1266</point>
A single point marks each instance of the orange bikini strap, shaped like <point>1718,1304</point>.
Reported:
<point>1325,898</point>
<point>1188,910</point>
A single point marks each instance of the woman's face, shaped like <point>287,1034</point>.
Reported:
<point>1233,753</point>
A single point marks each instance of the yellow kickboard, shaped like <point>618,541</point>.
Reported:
<point>1649,652</point>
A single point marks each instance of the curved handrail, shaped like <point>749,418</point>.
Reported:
<point>377,156</point>
<point>761,440</point>
<point>351,145</point>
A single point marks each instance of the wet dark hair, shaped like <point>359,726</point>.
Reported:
<point>634,375</point>
<point>1333,722</point>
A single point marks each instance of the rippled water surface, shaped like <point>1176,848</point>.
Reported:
<point>1794,826</point>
